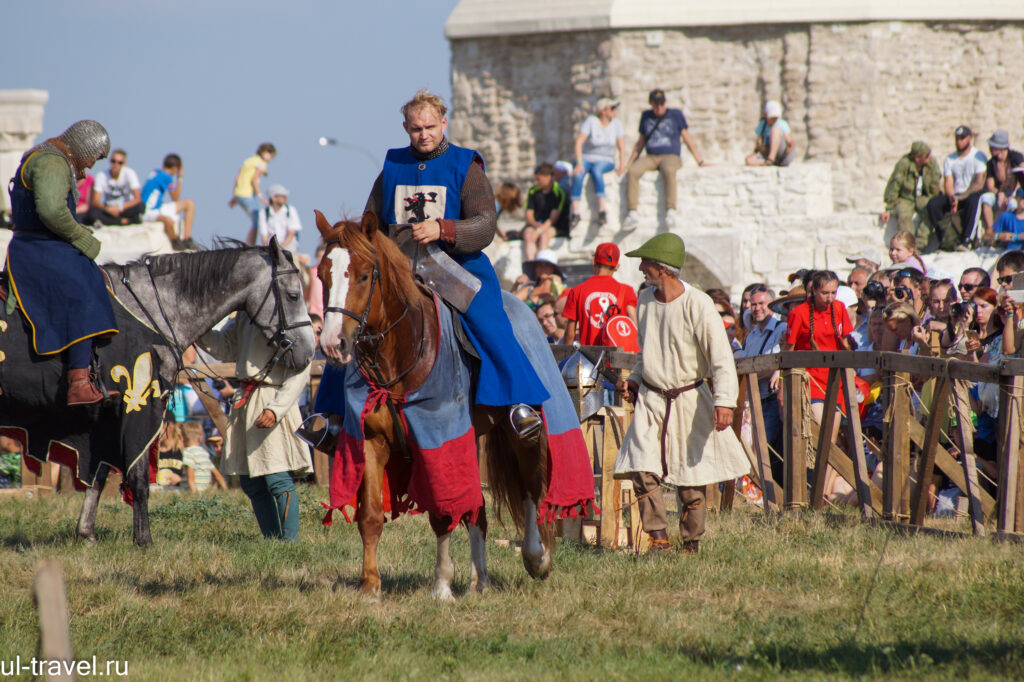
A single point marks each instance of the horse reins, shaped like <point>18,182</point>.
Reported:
<point>367,342</point>
<point>280,340</point>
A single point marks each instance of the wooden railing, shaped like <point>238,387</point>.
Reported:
<point>903,497</point>
<point>899,499</point>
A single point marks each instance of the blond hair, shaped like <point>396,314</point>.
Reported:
<point>193,432</point>
<point>901,311</point>
<point>906,240</point>
<point>424,98</point>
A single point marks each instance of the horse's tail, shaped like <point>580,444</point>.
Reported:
<point>515,471</point>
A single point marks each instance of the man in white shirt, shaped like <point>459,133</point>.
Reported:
<point>278,219</point>
<point>963,182</point>
<point>116,198</point>
<point>766,331</point>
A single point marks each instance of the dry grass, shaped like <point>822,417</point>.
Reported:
<point>211,600</point>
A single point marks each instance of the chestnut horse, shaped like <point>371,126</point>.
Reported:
<point>376,311</point>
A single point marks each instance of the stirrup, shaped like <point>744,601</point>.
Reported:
<point>525,422</point>
<point>318,431</point>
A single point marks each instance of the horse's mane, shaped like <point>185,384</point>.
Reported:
<point>199,268</point>
<point>395,266</point>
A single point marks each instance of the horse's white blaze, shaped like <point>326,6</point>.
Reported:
<point>330,338</point>
<point>444,570</point>
<point>478,579</point>
<point>533,548</point>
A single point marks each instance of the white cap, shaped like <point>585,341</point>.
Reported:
<point>563,166</point>
<point>938,275</point>
<point>277,190</point>
<point>846,296</point>
<point>772,109</point>
<point>866,254</point>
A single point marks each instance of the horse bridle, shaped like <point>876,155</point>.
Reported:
<point>368,341</point>
<point>282,344</point>
<point>279,340</point>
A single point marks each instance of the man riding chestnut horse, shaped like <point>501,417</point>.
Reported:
<point>460,219</point>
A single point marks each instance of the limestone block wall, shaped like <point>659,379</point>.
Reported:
<point>740,225</point>
<point>21,120</point>
<point>855,94</point>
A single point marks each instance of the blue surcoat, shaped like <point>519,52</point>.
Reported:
<point>414,191</point>
<point>61,290</point>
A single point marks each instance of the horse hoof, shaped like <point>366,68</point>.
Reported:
<point>482,587</point>
<point>442,593</point>
<point>371,594</point>
<point>538,570</point>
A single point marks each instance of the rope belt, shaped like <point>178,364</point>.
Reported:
<point>669,394</point>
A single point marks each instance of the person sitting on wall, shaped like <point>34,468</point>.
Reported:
<point>914,182</point>
<point>963,179</point>
<point>117,196</point>
<point>545,202</point>
<point>661,130</point>
<point>774,146</point>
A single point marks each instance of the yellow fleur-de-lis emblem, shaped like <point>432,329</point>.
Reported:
<point>141,384</point>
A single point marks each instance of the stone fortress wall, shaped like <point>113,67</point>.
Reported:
<point>856,94</point>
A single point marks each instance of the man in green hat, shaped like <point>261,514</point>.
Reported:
<point>680,432</point>
<point>914,181</point>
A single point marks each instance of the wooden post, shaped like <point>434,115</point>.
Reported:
<point>54,632</point>
<point>611,490</point>
<point>764,468</point>
<point>828,420</point>
<point>794,493</point>
<point>926,461</point>
<point>1010,389</point>
<point>962,404</point>
<point>860,469</point>
<point>896,461</point>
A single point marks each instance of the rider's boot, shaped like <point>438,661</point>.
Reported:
<point>526,423</point>
<point>81,389</point>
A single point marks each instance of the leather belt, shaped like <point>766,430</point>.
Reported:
<point>669,394</point>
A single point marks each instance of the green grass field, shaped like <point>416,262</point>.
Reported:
<point>212,600</point>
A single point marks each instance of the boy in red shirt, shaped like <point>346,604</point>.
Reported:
<point>591,304</point>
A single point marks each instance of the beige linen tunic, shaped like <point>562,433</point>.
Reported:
<point>248,449</point>
<point>683,341</point>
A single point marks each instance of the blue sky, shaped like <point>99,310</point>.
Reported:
<point>211,80</point>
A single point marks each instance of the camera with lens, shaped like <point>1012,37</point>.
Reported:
<point>874,291</point>
<point>901,293</point>
<point>960,308</point>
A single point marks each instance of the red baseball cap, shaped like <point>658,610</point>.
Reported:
<point>607,254</point>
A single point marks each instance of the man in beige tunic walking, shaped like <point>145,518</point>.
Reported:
<point>684,387</point>
<point>261,446</point>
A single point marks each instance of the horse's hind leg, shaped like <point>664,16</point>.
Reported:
<point>536,551</point>
<point>87,519</point>
<point>138,482</point>
<point>444,569</point>
<point>478,579</point>
<point>538,539</point>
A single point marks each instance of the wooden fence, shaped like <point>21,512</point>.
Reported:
<point>912,448</point>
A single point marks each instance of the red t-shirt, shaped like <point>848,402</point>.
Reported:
<point>798,336</point>
<point>591,304</point>
<point>798,327</point>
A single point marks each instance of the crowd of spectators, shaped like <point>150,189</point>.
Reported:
<point>900,306</point>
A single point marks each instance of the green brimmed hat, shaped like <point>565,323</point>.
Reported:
<point>665,248</point>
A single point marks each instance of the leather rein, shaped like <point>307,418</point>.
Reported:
<point>368,342</point>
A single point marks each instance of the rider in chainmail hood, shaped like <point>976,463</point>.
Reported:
<point>51,257</point>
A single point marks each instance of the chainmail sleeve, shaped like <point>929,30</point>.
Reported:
<point>479,222</point>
